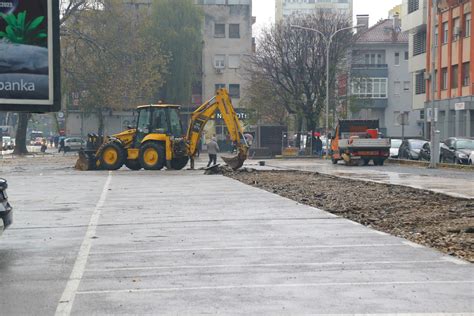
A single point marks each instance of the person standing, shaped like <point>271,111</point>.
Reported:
<point>212,150</point>
<point>318,146</point>
<point>61,145</point>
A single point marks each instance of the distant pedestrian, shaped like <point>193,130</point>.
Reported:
<point>249,139</point>
<point>51,141</point>
<point>212,150</point>
<point>56,141</point>
<point>61,145</point>
<point>44,145</point>
<point>318,146</point>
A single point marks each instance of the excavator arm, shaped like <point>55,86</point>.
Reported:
<point>221,101</point>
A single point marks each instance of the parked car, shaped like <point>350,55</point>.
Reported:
<point>425,152</point>
<point>73,144</point>
<point>395,147</point>
<point>457,150</point>
<point>411,148</point>
<point>6,215</point>
<point>7,143</point>
<point>471,159</point>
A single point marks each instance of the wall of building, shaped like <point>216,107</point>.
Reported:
<point>285,8</point>
<point>233,50</point>
<point>399,89</point>
<point>454,69</point>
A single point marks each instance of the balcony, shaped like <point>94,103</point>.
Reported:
<point>370,70</point>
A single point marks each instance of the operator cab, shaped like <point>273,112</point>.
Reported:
<point>159,119</point>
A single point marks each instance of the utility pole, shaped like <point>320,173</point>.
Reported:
<point>434,145</point>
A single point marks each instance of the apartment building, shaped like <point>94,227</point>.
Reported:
<point>284,8</point>
<point>380,82</point>
<point>227,42</point>
<point>454,47</point>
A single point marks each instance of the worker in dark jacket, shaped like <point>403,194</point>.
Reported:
<point>318,146</point>
<point>212,150</point>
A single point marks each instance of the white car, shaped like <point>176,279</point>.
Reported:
<point>7,143</point>
<point>73,144</point>
<point>395,147</point>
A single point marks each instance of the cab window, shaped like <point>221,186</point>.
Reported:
<point>176,128</point>
<point>159,120</point>
<point>144,121</point>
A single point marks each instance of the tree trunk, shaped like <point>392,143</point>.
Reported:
<point>20,137</point>
<point>100,116</point>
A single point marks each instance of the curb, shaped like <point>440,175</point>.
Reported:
<point>426,164</point>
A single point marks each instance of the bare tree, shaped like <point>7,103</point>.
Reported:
<point>293,61</point>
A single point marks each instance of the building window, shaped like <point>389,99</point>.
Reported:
<point>436,36</point>
<point>219,61</point>
<point>444,78</point>
<point>397,87</point>
<point>370,88</point>
<point>445,33</point>
<point>467,25</point>
<point>419,43</point>
<point>219,30</point>
<point>466,76</point>
<point>454,79</point>
<point>420,83</point>
<point>219,86</point>
<point>397,59</point>
<point>234,90</point>
<point>456,29</point>
<point>234,30</point>
<point>234,61</point>
<point>413,5</point>
<point>406,85</point>
<point>373,59</point>
<point>407,56</point>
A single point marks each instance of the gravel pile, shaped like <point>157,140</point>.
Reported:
<point>431,219</point>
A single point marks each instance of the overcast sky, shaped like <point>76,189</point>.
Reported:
<point>264,10</point>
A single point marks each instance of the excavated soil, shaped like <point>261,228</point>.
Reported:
<point>431,219</point>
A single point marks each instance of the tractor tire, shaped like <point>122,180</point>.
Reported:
<point>152,156</point>
<point>133,165</point>
<point>112,156</point>
<point>179,163</point>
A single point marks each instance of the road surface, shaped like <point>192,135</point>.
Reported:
<point>179,242</point>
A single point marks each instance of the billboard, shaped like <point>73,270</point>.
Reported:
<point>29,56</point>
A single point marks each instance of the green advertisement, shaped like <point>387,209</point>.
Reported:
<point>28,55</point>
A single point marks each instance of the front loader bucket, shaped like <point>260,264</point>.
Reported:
<point>85,161</point>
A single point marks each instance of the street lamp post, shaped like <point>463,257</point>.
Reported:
<point>328,41</point>
<point>434,142</point>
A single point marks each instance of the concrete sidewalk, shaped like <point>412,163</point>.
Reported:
<point>457,183</point>
<point>182,243</point>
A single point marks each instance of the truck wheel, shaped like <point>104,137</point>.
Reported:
<point>152,156</point>
<point>179,163</point>
<point>112,156</point>
<point>379,162</point>
<point>133,165</point>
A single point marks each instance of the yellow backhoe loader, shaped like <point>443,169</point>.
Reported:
<point>159,140</point>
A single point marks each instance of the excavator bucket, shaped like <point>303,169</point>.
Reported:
<point>85,162</point>
<point>237,162</point>
<point>234,162</point>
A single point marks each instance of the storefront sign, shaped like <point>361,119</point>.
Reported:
<point>460,106</point>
